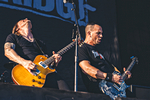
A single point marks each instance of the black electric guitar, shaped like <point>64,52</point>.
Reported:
<point>117,90</point>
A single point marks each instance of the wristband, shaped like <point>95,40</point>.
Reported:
<point>109,77</point>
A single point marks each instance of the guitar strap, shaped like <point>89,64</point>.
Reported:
<point>115,68</point>
<point>39,47</point>
<point>53,63</point>
<point>35,42</point>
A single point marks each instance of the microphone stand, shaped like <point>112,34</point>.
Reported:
<point>76,50</point>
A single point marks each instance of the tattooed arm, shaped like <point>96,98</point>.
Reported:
<point>9,51</point>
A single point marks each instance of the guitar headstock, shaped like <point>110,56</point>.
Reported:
<point>80,41</point>
<point>135,59</point>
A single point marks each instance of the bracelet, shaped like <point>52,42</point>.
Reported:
<point>109,77</point>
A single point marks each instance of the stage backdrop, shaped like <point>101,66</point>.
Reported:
<point>133,25</point>
<point>53,22</point>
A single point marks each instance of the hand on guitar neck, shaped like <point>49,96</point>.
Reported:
<point>57,57</point>
<point>128,73</point>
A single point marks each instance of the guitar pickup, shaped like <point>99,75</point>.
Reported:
<point>43,64</point>
<point>35,72</point>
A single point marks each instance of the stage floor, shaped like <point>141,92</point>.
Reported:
<point>15,92</point>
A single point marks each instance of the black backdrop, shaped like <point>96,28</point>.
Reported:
<point>133,25</point>
<point>120,21</point>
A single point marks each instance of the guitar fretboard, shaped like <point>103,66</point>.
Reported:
<point>134,60</point>
<point>60,52</point>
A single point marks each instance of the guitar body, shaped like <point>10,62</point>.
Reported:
<point>22,76</point>
<point>112,89</point>
<point>115,90</point>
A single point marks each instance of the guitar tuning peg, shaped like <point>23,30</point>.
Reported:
<point>131,57</point>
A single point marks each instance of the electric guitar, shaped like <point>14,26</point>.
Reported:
<point>115,90</point>
<point>21,76</point>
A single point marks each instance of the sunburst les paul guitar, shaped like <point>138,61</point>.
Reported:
<point>22,76</point>
<point>117,90</point>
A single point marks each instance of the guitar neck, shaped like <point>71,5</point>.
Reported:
<point>134,60</point>
<point>60,52</point>
<point>65,49</point>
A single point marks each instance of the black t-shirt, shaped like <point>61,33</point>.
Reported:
<point>90,53</point>
<point>24,48</point>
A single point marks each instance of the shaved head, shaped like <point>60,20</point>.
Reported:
<point>90,27</point>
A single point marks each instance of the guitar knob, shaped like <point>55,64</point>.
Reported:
<point>39,82</point>
<point>39,77</point>
<point>33,80</point>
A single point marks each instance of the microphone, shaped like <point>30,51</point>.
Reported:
<point>65,1</point>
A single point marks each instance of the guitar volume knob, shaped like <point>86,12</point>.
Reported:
<point>33,80</point>
<point>39,82</point>
<point>39,77</point>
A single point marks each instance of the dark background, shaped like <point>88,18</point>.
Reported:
<point>126,33</point>
<point>133,29</point>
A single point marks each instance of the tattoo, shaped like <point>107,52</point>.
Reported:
<point>8,46</point>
